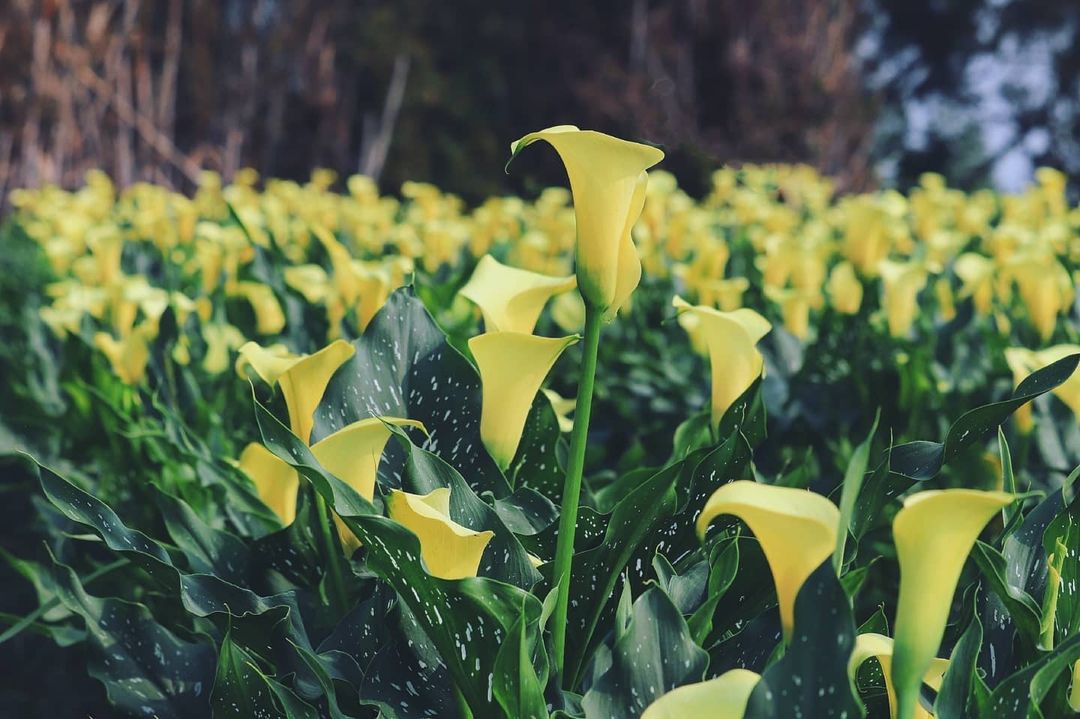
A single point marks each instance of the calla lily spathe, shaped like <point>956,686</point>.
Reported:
<point>449,550</point>
<point>511,299</point>
<point>934,533</point>
<point>608,179</point>
<point>730,339</point>
<point>351,454</point>
<point>844,288</point>
<point>796,530</point>
<point>902,282</point>
<point>724,697</point>
<point>880,647</point>
<point>302,379</point>
<point>512,367</point>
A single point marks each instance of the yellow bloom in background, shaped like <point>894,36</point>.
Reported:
<point>1045,289</point>
<point>724,697</point>
<point>976,274</point>
<point>512,367</point>
<point>449,550</point>
<point>796,528</point>
<point>944,294</point>
<point>902,282</point>
<point>129,355</point>
<point>880,647</point>
<point>562,406</point>
<point>302,379</point>
<point>511,299</point>
<point>730,339</point>
<point>608,180</point>
<point>794,308</point>
<point>568,312</point>
<point>221,339</point>
<point>934,533</point>
<point>269,317</point>
<point>1023,362</point>
<point>844,289</point>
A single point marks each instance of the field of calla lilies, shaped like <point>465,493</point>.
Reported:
<point>309,450</point>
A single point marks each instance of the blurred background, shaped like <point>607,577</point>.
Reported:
<point>872,92</point>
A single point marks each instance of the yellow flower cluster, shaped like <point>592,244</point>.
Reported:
<point>773,238</point>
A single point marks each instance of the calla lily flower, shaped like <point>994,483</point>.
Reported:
<point>1023,362</point>
<point>449,550</point>
<point>934,533</point>
<point>302,379</point>
<point>976,274</point>
<point>269,317</point>
<point>511,299</point>
<point>844,288</point>
<point>724,697</point>
<point>730,339</point>
<point>351,454</point>
<point>796,529</point>
<point>608,180</point>
<point>902,283</point>
<point>512,367</point>
<point>221,338</point>
<point>562,406</point>
<point>129,355</point>
<point>880,647</point>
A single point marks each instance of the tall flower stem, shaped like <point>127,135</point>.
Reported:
<point>338,598</point>
<point>571,498</point>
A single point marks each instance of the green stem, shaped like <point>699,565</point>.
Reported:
<point>571,498</point>
<point>338,598</point>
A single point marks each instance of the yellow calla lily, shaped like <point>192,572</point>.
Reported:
<point>902,283</point>
<point>608,180</point>
<point>934,533</point>
<point>512,367</point>
<point>562,406</point>
<point>724,697</point>
<point>511,299</point>
<point>351,454</point>
<point>976,274</point>
<point>449,550</point>
<point>269,317</point>
<point>275,481</point>
<point>128,356</point>
<point>729,339</point>
<point>302,379</point>
<point>1023,362</point>
<point>844,288</point>
<point>880,647</point>
<point>796,530</point>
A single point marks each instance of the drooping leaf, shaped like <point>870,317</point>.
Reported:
<point>923,459</point>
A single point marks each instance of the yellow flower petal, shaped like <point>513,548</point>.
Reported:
<point>796,529</point>
<point>511,299</point>
<point>724,697</point>
<point>512,367</point>
<point>302,379</point>
<point>276,482</point>
<point>730,338</point>
<point>902,282</point>
<point>352,455</point>
<point>880,647</point>
<point>844,288</point>
<point>449,550</point>
<point>608,183</point>
<point>934,533</point>
<point>269,317</point>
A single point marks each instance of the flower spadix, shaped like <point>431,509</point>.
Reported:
<point>449,550</point>
<point>608,180</point>
<point>512,367</point>
<point>934,533</point>
<point>880,647</point>
<point>796,529</point>
<point>302,379</point>
<point>511,299</point>
<point>724,697</point>
<point>730,338</point>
